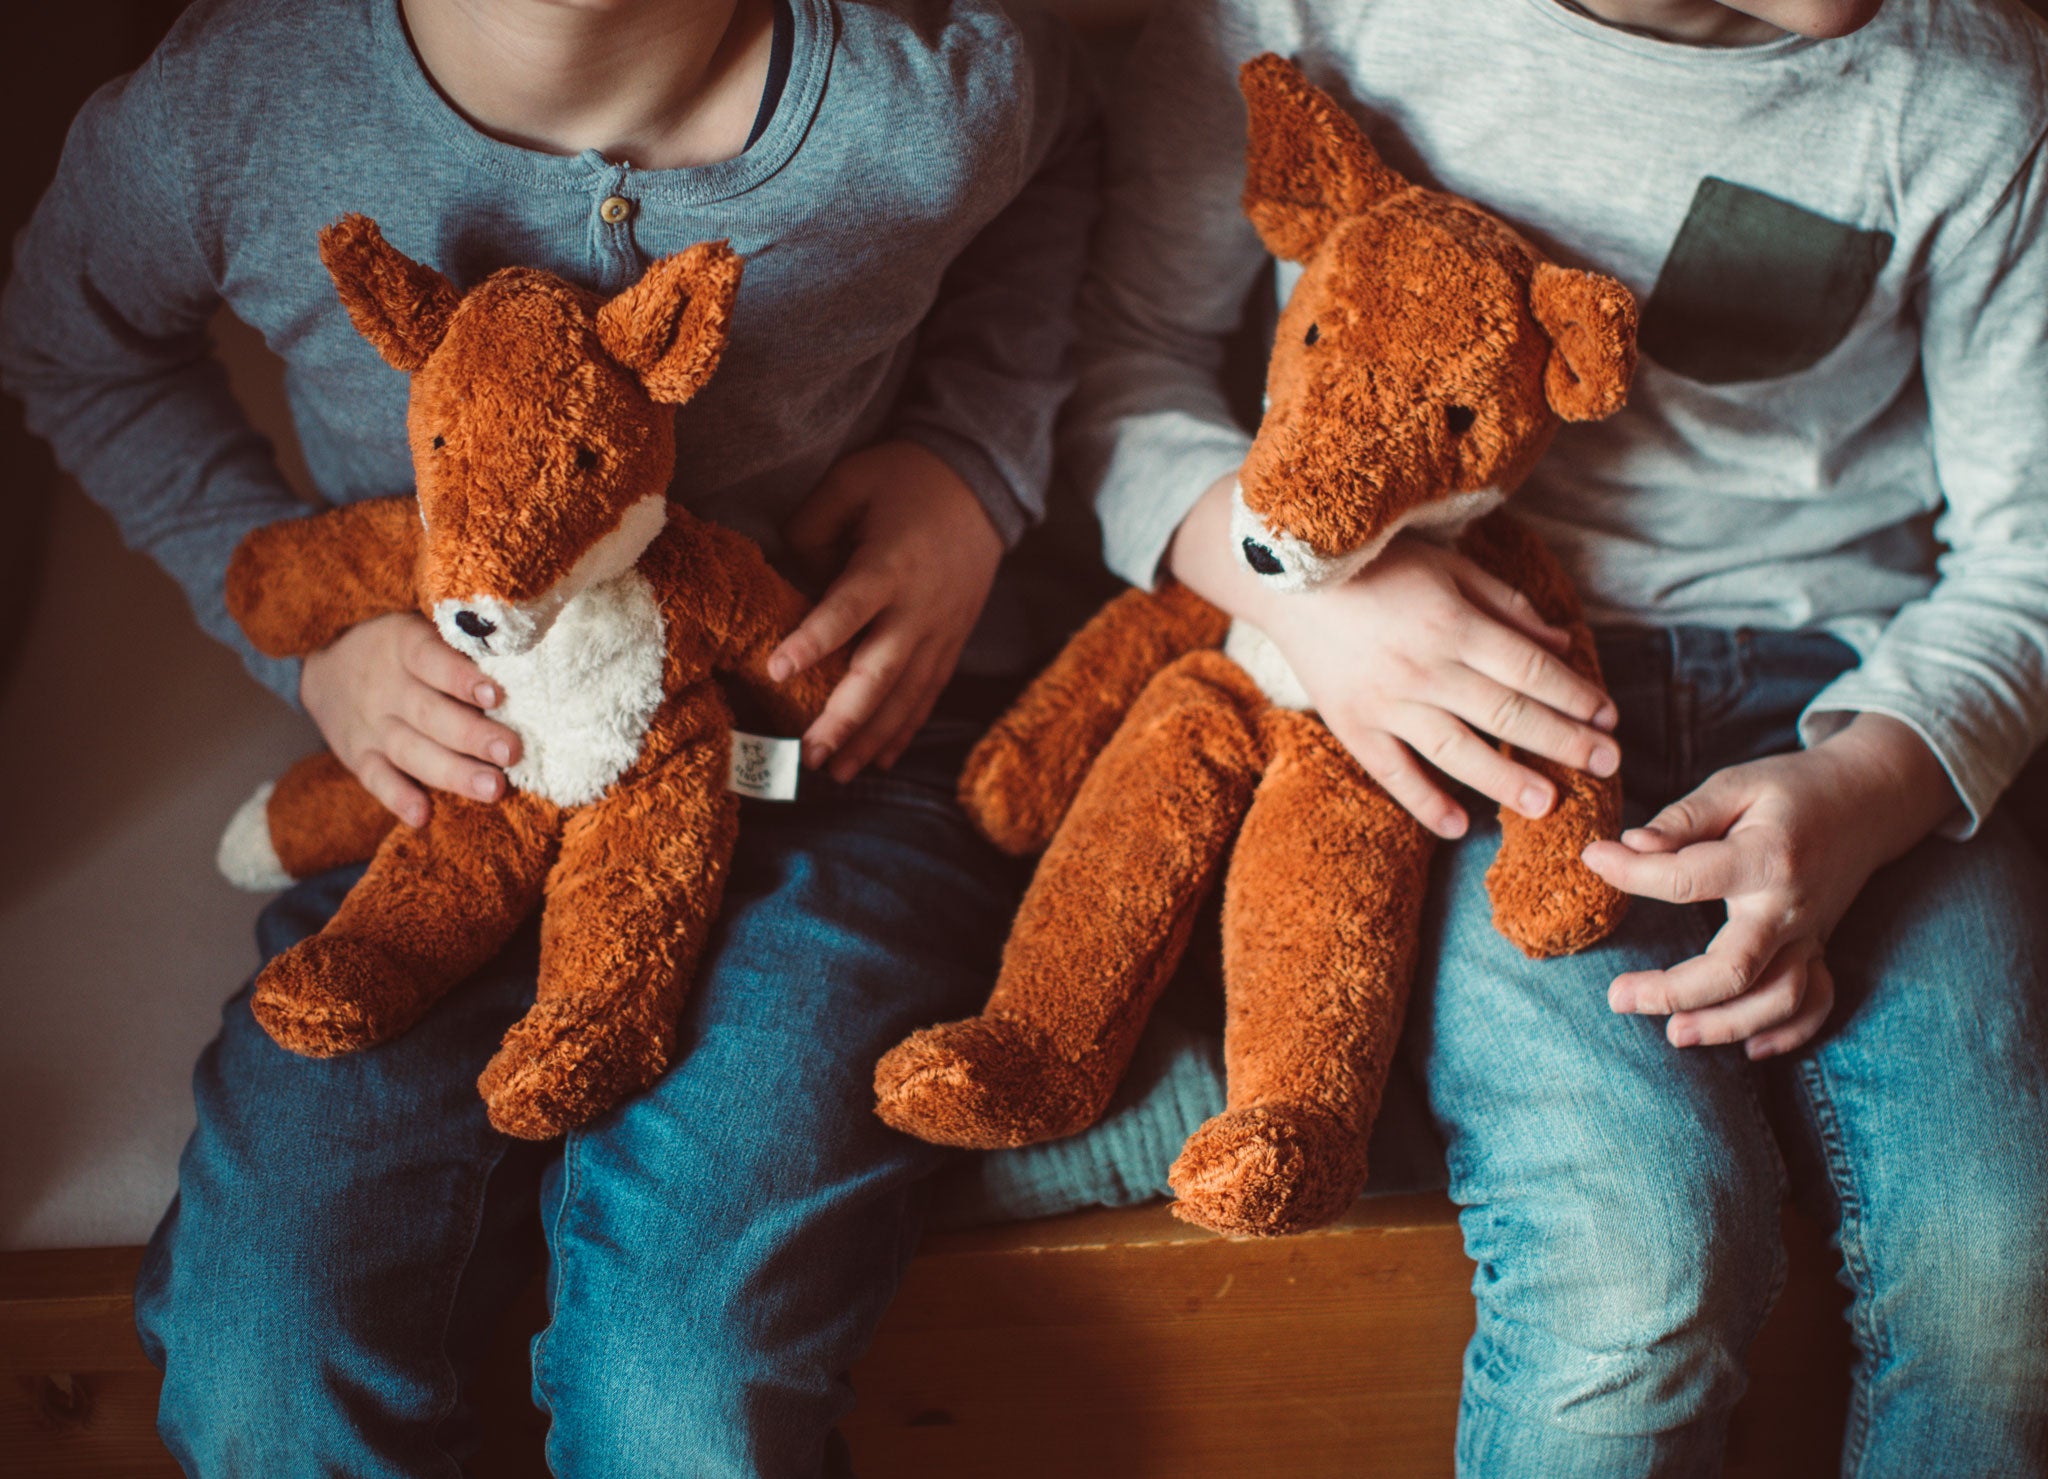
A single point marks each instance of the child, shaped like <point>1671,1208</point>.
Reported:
<point>911,186</point>
<point>1833,216</point>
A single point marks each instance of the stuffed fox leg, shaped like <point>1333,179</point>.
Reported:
<point>1026,771</point>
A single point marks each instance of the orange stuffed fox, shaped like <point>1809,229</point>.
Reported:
<point>1422,365</point>
<point>541,543</point>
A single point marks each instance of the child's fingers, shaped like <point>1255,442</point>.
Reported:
<point>1504,602</point>
<point>1463,756</point>
<point>457,726</point>
<point>1513,661</point>
<point>435,765</point>
<point>877,665</point>
<point>1734,961</point>
<point>1642,839</point>
<point>888,758</point>
<point>892,722</point>
<point>944,665</point>
<point>1820,1000</point>
<point>850,604</point>
<point>1692,875</point>
<point>394,792</point>
<point>440,666</point>
<point>1706,812</point>
<point>1403,777</point>
<point>1494,709</point>
<point>1780,997</point>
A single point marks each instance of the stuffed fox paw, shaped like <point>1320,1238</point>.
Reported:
<point>541,544</point>
<point>1421,367</point>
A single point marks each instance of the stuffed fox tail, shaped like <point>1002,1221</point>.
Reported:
<point>316,816</point>
<point>1026,771</point>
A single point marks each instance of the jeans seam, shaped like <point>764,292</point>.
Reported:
<point>1781,1262</point>
<point>475,1218</point>
<point>571,1177</point>
<point>1848,1238</point>
<point>1780,1173</point>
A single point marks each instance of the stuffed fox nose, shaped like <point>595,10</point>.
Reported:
<point>1256,555</point>
<point>473,625</point>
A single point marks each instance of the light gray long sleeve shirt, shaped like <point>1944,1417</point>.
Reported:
<point>914,217</point>
<point>1840,420</point>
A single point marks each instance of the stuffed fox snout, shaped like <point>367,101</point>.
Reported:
<point>541,544</point>
<point>1420,368</point>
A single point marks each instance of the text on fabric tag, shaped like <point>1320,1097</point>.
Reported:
<point>764,766</point>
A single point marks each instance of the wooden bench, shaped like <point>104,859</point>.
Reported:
<point>1105,1345</point>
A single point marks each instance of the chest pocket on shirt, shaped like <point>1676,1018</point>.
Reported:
<point>1756,287</point>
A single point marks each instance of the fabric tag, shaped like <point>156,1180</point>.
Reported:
<point>764,766</point>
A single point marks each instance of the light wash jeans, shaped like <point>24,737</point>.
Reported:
<point>719,1248</point>
<point>1620,1197</point>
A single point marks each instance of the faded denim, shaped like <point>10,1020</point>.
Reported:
<point>720,1248</point>
<point>1620,1197</point>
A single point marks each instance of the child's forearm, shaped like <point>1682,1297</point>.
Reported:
<point>1910,793</point>
<point>1202,558</point>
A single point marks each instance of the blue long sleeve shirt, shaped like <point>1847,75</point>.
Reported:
<point>913,213</point>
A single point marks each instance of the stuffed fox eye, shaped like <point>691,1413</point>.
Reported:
<point>1312,335</point>
<point>440,442</point>
<point>585,459</point>
<point>1460,419</point>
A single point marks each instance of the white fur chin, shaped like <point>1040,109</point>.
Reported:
<point>582,698</point>
<point>245,856</point>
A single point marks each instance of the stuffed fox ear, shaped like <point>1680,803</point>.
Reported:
<point>1308,163</point>
<point>397,304</point>
<point>672,325</point>
<point>1591,321</point>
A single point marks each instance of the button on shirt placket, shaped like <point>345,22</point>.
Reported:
<point>615,260</point>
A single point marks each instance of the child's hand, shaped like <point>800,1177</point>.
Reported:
<point>1408,659</point>
<point>1420,650</point>
<point>1789,842</point>
<point>403,710</point>
<point>920,557</point>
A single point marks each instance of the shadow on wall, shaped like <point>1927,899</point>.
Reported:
<point>129,737</point>
<point>56,55</point>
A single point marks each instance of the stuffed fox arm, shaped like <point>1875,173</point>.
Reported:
<point>297,585</point>
<point>1025,773</point>
<point>741,608</point>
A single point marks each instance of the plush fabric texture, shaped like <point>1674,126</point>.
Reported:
<point>323,818</point>
<point>1427,353</point>
<point>543,442</point>
<point>1035,757</point>
<point>364,552</point>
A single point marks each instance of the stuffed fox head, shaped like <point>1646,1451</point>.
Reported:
<point>541,420</point>
<point>1423,361</point>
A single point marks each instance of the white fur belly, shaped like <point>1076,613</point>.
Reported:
<point>582,699</point>
<point>1253,651</point>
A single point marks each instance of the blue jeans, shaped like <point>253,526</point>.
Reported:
<point>719,1248</point>
<point>1620,1197</point>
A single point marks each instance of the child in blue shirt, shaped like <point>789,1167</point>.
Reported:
<point>911,186</point>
